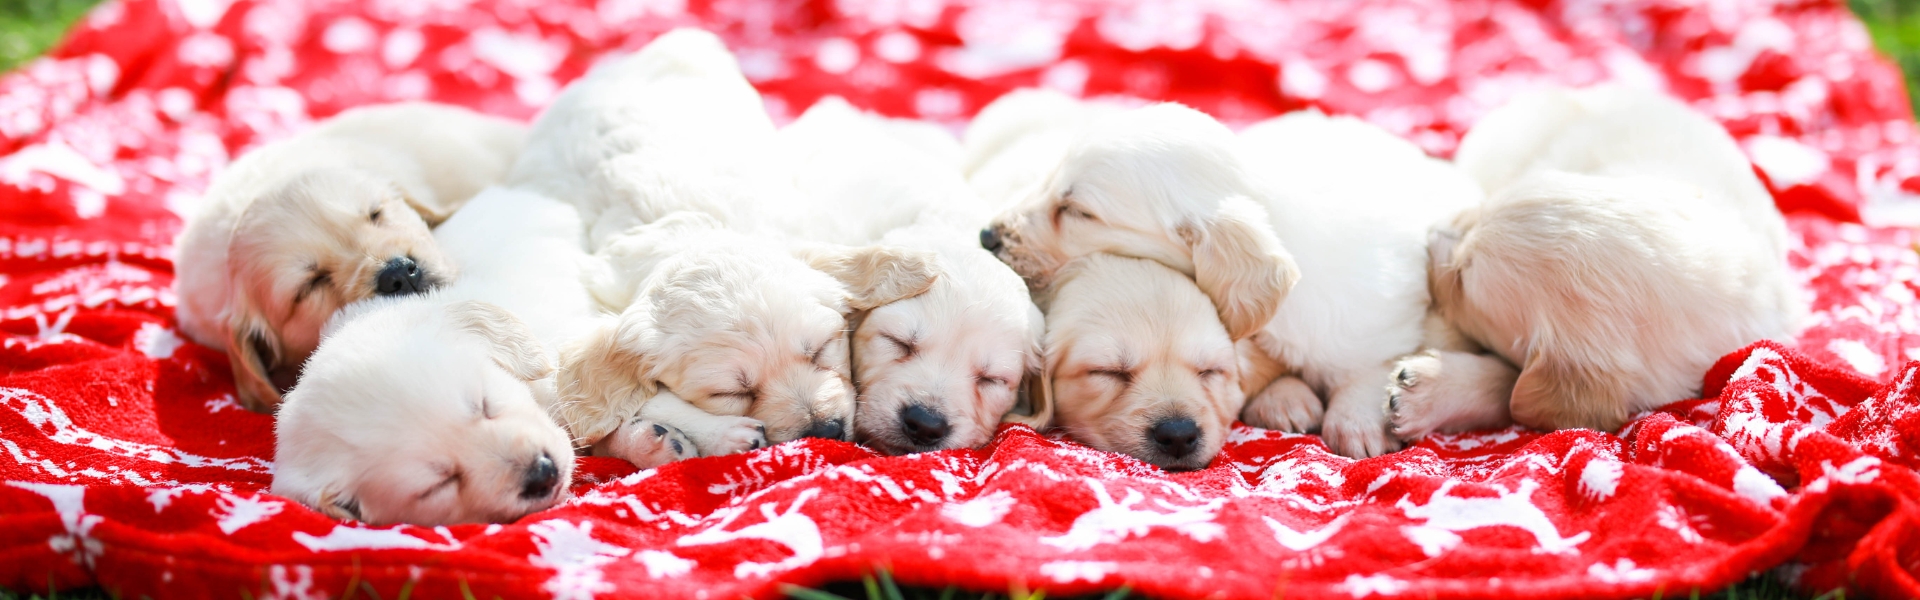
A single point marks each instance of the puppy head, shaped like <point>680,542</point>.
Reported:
<point>1162,183</point>
<point>940,369</point>
<point>1139,363</point>
<point>322,240</point>
<point>739,326</point>
<point>418,411</point>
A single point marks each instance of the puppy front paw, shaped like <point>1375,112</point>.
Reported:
<point>1357,434</point>
<point>1412,405</point>
<point>646,444</point>
<point>732,435</point>
<point>1287,404</point>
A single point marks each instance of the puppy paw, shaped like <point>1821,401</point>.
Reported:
<point>646,444</point>
<point>1357,434</point>
<point>1287,405</point>
<point>1412,405</point>
<point>732,435</point>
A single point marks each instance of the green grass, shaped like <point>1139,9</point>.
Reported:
<point>1895,25</point>
<point>29,27</point>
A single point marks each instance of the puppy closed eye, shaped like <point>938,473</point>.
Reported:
<point>452,482</point>
<point>319,281</point>
<point>906,347</point>
<point>1211,372</point>
<point>989,381</point>
<point>1067,209</point>
<point>1120,376</point>
<point>374,214</point>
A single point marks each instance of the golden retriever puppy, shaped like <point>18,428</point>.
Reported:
<point>672,127</point>
<point>726,332</point>
<point>296,229</point>
<point>1626,245</point>
<point>1296,198</point>
<point>940,369</point>
<point>749,331</point>
<point>435,408</point>
<point>1139,363</point>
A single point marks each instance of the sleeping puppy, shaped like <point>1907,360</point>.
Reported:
<point>296,229</point>
<point>940,369</point>
<point>1170,184</point>
<point>673,127</point>
<point>435,408</point>
<point>1138,363</point>
<point>735,339</point>
<point>725,332</point>
<point>1625,247</point>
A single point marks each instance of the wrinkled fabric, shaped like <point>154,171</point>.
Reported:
<point>125,462</point>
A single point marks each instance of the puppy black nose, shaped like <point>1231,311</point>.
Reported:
<point>990,239</point>
<point>832,430</point>
<point>540,479</point>
<point>923,427</point>
<point>1176,437</point>
<point>400,277</point>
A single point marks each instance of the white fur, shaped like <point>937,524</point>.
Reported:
<point>405,392</point>
<point>960,351</point>
<point>666,153</point>
<point>293,207</point>
<point>1626,245</point>
<point>1335,204</point>
<point>1131,344</point>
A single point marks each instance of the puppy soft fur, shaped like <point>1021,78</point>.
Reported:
<point>940,369</point>
<point>1626,245</point>
<point>434,408</point>
<point>1298,198</point>
<point>296,229</point>
<point>725,333</point>
<point>1138,363</point>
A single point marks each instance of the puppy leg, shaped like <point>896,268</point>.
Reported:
<point>1287,405</point>
<point>1447,391</point>
<point>1356,422</point>
<point>646,444</point>
<point>713,435</point>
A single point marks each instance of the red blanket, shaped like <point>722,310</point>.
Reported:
<point>125,463</point>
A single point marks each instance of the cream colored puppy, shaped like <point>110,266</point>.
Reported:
<point>725,332</point>
<point>1625,247</point>
<point>751,334</point>
<point>1138,363</point>
<point>296,229</point>
<point>1017,140</point>
<point>940,369</point>
<point>1297,198</point>
<point>673,127</point>
<point>435,408</point>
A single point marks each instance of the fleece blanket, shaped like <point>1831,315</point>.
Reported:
<point>126,464</point>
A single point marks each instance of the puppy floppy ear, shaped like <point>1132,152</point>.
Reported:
<point>874,275</point>
<point>426,204</point>
<point>606,376</point>
<point>1241,265</point>
<point>253,351</point>
<point>1443,272</point>
<point>1037,389</point>
<point>509,341</point>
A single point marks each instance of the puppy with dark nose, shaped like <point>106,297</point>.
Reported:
<point>1139,363</point>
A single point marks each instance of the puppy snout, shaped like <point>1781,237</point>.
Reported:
<point>990,239</point>
<point>1176,437</point>
<point>542,476</point>
<point>835,429</point>
<point>923,427</point>
<point>400,276</point>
